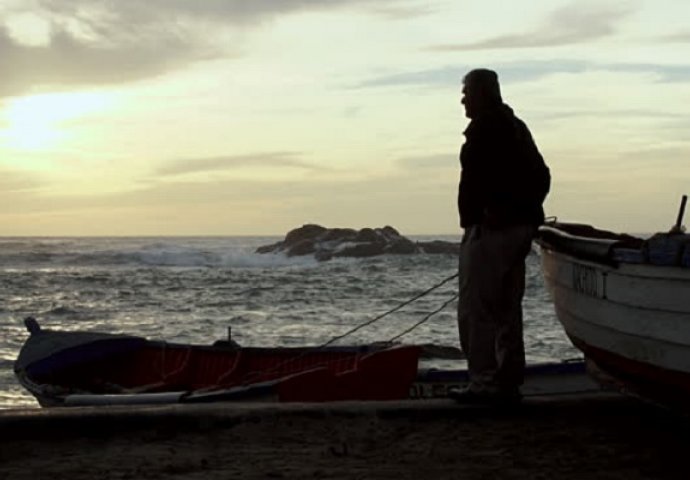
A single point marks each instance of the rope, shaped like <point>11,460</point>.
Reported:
<point>164,376</point>
<point>376,319</point>
<point>362,325</point>
<point>231,370</point>
<point>423,320</point>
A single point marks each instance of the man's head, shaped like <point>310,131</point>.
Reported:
<point>481,91</point>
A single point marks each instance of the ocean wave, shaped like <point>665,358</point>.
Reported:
<point>10,243</point>
<point>231,252</point>
<point>60,311</point>
<point>161,258</point>
<point>230,259</point>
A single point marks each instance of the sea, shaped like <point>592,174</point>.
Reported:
<point>202,289</point>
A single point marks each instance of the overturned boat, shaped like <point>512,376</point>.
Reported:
<point>625,303</point>
<point>76,368</point>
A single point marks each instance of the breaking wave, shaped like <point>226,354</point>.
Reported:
<point>86,253</point>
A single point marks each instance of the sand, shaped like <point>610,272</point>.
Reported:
<point>596,436</point>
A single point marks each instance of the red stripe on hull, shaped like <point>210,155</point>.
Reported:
<point>670,387</point>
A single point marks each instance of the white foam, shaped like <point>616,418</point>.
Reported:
<point>265,260</point>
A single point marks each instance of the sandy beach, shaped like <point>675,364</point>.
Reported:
<point>585,436</point>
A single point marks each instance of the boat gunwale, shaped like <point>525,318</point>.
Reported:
<point>672,273</point>
<point>568,247</point>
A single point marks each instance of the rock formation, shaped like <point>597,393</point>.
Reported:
<point>326,243</point>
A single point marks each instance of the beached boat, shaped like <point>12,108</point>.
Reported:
<point>67,368</point>
<point>625,303</point>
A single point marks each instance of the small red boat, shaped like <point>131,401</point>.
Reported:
<point>71,368</point>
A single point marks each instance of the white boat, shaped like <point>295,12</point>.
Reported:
<point>625,303</point>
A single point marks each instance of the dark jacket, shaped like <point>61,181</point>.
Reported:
<point>504,179</point>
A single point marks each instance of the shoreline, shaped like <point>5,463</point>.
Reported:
<point>602,435</point>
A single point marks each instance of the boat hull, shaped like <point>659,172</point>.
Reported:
<point>632,321</point>
<point>541,380</point>
<point>156,372</point>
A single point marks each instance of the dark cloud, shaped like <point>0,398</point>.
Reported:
<point>234,11</point>
<point>215,164</point>
<point>103,42</point>
<point>69,61</point>
<point>574,23</point>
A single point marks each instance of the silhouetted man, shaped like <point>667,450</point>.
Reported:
<point>503,184</point>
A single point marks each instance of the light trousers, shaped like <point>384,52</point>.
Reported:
<point>492,285</point>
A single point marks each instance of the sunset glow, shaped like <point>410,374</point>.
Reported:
<point>40,122</point>
<point>235,117</point>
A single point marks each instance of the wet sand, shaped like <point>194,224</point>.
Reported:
<point>580,436</point>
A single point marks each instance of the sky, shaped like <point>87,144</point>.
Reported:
<point>253,117</point>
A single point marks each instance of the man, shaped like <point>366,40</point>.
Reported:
<point>503,184</point>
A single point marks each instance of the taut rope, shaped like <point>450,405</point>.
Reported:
<point>370,322</point>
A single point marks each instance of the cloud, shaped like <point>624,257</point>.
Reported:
<point>222,11</point>
<point>261,160</point>
<point>435,76</point>
<point>680,37</point>
<point>94,42</point>
<point>665,73</point>
<point>436,161</point>
<point>403,12</point>
<point>659,160</point>
<point>14,182</point>
<point>574,23</point>
<point>447,76</point>
<point>294,197</point>
<point>69,61</point>
<point>516,72</point>
<point>658,115</point>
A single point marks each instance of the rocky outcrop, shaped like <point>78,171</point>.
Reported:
<point>326,243</point>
